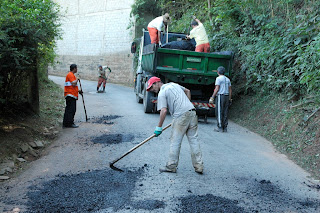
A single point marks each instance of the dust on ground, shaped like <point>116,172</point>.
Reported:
<point>17,134</point>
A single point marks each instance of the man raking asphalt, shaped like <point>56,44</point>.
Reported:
<point>134,148</point>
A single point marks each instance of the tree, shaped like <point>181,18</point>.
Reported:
<point>28,29</point>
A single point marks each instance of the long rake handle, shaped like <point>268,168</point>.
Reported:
<point>84,106</point>
<point>137,146</point>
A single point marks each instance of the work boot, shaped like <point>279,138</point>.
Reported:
<point>70,126</point>
<point>74,126</point>
<point>218,129</point>
<point>199,171</point>
<point>166,169</point>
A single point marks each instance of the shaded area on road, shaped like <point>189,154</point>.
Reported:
<point>113,138</point>
<point>88,191</point>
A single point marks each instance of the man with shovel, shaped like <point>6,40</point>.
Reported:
<point>155,26</point>
<point>176,98</point>
<point>71,95</point>
<point>102,77</point>
<point>199,33</point>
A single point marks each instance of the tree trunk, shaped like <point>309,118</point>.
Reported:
<point>33,96</point>
<point>209,8</point>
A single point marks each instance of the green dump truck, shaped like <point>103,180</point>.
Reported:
<point>193,70</point>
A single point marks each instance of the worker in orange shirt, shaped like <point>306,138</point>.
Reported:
<point>71,95</point>
<point>154,28</point>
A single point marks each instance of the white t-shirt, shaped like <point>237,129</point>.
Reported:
<point>102,73</point>
<point>199,34</point>
<point>224,84</point>
<point>173,97</point>
<point>156,23</point>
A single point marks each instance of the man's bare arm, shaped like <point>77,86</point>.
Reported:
<point>216,89</point>
<point>188,93</point>
<point>163,114</point>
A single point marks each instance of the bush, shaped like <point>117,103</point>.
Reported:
<point>28,29</point>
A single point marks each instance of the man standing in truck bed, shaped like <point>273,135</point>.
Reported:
<point>200,35</point>
<point>155,26</point>
<point>176,98</point>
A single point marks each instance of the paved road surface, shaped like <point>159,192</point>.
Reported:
<point>242,171</point>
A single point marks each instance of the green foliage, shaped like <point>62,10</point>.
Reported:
<point>140,13</point>
<point>276,42</point>
<point>25,25</point>
<point>28,29</point>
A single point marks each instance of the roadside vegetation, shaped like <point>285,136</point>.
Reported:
<point>28,33</point>
<point>276,78</point>
<point>30,104</point>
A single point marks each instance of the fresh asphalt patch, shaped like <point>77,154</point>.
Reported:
<point>269,197</point>
<point>261,196</point>
<point>88,192</point>
<point>111,191</point>
<point>106,119</point>
<point>113,138</point>
<point>208,203</point>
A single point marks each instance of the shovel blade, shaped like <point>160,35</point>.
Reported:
<point>114,168</point>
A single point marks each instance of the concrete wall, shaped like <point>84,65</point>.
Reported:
<point>95,32</point>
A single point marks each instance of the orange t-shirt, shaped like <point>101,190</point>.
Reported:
<point>69,89</point>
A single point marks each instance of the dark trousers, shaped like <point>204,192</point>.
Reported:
<point>221,110</point>
<point>70,111</point>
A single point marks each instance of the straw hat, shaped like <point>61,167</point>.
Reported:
<point>166,18</point>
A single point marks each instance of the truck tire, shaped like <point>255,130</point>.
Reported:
<point>137,89</point>
<point>147,104</point>
<point>138,99</point>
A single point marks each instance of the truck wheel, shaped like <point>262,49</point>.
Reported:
<point>147,104</point>
<point>137,89</point>
<point>138,99</point>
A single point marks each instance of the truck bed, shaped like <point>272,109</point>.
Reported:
<point>183,66</point>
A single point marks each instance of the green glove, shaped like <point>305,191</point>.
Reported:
<point>158,131</point>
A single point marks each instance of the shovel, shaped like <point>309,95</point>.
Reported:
<point>100,90</point>
<point>131,150</point>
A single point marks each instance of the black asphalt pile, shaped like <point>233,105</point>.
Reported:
<point>268,197</point>
<point>208,203</point>
<point>88,192</point>
<point>260,196</point>
<point>113,138</point>
<point>106,119</point>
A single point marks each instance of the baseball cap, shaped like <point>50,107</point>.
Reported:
<point>151,81</point>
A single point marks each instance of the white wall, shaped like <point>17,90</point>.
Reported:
<point>95,32</point>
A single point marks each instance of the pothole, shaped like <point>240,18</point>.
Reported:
<point>106,119</point>
<point>208,203</point>
<point>113,138</point>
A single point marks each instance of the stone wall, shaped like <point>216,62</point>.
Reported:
<point>95,32</point>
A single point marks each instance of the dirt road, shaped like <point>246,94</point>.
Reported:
<point>242,171</point>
